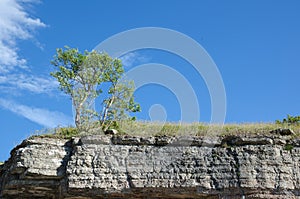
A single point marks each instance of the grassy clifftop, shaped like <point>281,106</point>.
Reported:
<point>136,128</point>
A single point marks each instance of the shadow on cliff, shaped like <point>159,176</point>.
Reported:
<point>68,147</point>
<point>62,170</point>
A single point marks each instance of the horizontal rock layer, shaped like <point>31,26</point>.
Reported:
<point>103,166</point>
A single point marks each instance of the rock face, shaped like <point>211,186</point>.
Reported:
<point>155,167</point>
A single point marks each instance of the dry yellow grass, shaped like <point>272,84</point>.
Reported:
<point>201,129</point>
<point>138,128</point>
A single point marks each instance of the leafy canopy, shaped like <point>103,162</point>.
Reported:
<point>81,76</point>
<point>290,120</point>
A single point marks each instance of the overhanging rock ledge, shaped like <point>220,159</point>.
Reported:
<point>102,166</point>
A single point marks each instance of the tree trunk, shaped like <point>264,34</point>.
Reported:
<point>78,111</point>
<point>106,112</point>
<point>77,117</point>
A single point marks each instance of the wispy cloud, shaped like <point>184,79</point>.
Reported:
<point>15,24</point>
<point>133,58</point>
<point>43,117</point>
<point>27,82</point>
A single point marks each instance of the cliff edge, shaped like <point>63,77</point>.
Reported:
<point>102,166</point>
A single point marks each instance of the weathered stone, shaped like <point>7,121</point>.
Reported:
<point>241,141</point>
<point>296,142</point>
<point>132,140</point>
<point>152,167</point>
<point>283,132</point>
<point>95,140</point>
<point>36,168</point>
<point>111,132</point>
<point>164,140</point>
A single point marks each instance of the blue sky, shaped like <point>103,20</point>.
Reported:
<point>255,45</point>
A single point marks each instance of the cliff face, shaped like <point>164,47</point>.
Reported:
<point>153,167</point>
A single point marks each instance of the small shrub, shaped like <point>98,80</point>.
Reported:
<point>288,147</point>
<point>66,132</point>
<point>290,120</point>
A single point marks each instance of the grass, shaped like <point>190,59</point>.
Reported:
<point>201,129</point>
<point>138,128</point>
<point>59,132</point>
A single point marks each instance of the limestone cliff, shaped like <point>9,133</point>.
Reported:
<point>103,166</point>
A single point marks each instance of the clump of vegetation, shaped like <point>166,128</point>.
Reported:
<point>59,132</point>
<point>289,120</point>
<point>288,147</point>
<point>67,132</point>
<point>82,76</point>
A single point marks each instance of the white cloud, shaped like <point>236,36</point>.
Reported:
<point>30,83</point>
<point>43,117</point>
<point>15,24</point>
<point>133,58</point>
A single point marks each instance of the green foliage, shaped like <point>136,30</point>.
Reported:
<point>69,63</point>
<point>290,120</point>
<point>59,133</point>
<point>288,147</point>
<point>119,103</point>
<point>66,132</point>
<point>111,125</point>
<point>81,76</point>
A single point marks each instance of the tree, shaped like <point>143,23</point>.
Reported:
<point>115,108</point>
<point>81,76</point>
<point>290,120</point>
